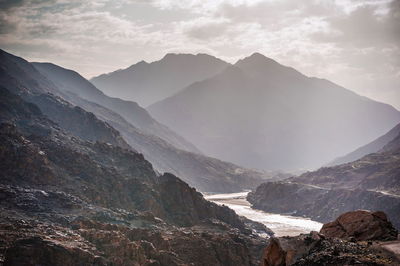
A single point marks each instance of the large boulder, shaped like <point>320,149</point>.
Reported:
<point>361,225</point>
<point>286,250</point>
<point>336,243</point>
<point>315,249</point>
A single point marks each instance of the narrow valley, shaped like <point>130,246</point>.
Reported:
<point>280,224</point>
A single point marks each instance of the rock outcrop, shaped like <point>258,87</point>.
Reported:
<point>286,250</point>
<point>315,249</point>
<point>334,245</point>
<point>361,225</point>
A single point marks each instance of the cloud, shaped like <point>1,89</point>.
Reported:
<point>8,4</point>
<point>364,27</point>
<point>205,28</point>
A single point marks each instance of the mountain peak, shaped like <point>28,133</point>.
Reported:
<point>176,55</point>
<point>186,55</point>
<point>138,64</point>
<point>257,55</point>
<point>259,65</point>
<point>256,58</point>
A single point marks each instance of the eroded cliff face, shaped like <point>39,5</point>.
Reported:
<point>68,201</point>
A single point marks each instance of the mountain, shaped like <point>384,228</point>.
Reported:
<point>371,147</point>
<point>261,114</point>
<point>147,83</point>
<point>204,173</point>
<point>69,201</point>
<point>71,82</point>
<point>370,183</point>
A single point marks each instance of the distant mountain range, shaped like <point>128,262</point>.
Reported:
<point>147,83</point>
<point>371,147</point>
<point>79,107</point>
<point>261,114</point>
<point>71,82</point>
<point>256,113</point>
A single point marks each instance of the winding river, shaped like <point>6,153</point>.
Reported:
<point>281,225</point>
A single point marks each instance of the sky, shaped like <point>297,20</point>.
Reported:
<point>354,43</point>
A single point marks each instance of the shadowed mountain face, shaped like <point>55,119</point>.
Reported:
<point>370,183</point>
<point>261,114</point>
<point>68,201</point>
<point>71,82</point>
<point>204,173</point>
<point>147,83</point>
<point>371,147</point>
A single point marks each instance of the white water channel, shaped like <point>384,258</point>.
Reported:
<point>281,225</point>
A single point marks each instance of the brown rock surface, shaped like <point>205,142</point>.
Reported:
<point>361,225</point>
<point>286,250</point>
<point>314,249</point>
<point>341,242</point>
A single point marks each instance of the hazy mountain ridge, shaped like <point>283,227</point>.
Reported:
<point>205,173</point>
<point>371,147</point>
<point>13,67</point>
<point>147,83</point>
<point>72,82</point>
<point>371,183</point>
<point>261,114</point>
<point>202,172</point>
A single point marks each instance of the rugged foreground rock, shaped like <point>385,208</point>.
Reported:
<point>71,200</point>
<point>329,248</point>
<point>361,225</point>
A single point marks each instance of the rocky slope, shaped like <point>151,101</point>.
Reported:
<point>259,113</point>
<point>66,200</point>
<point>205,173</point>
<point>147,83</point>
<point>370,183</point>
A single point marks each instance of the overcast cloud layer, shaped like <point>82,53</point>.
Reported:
<point>355,43</point>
